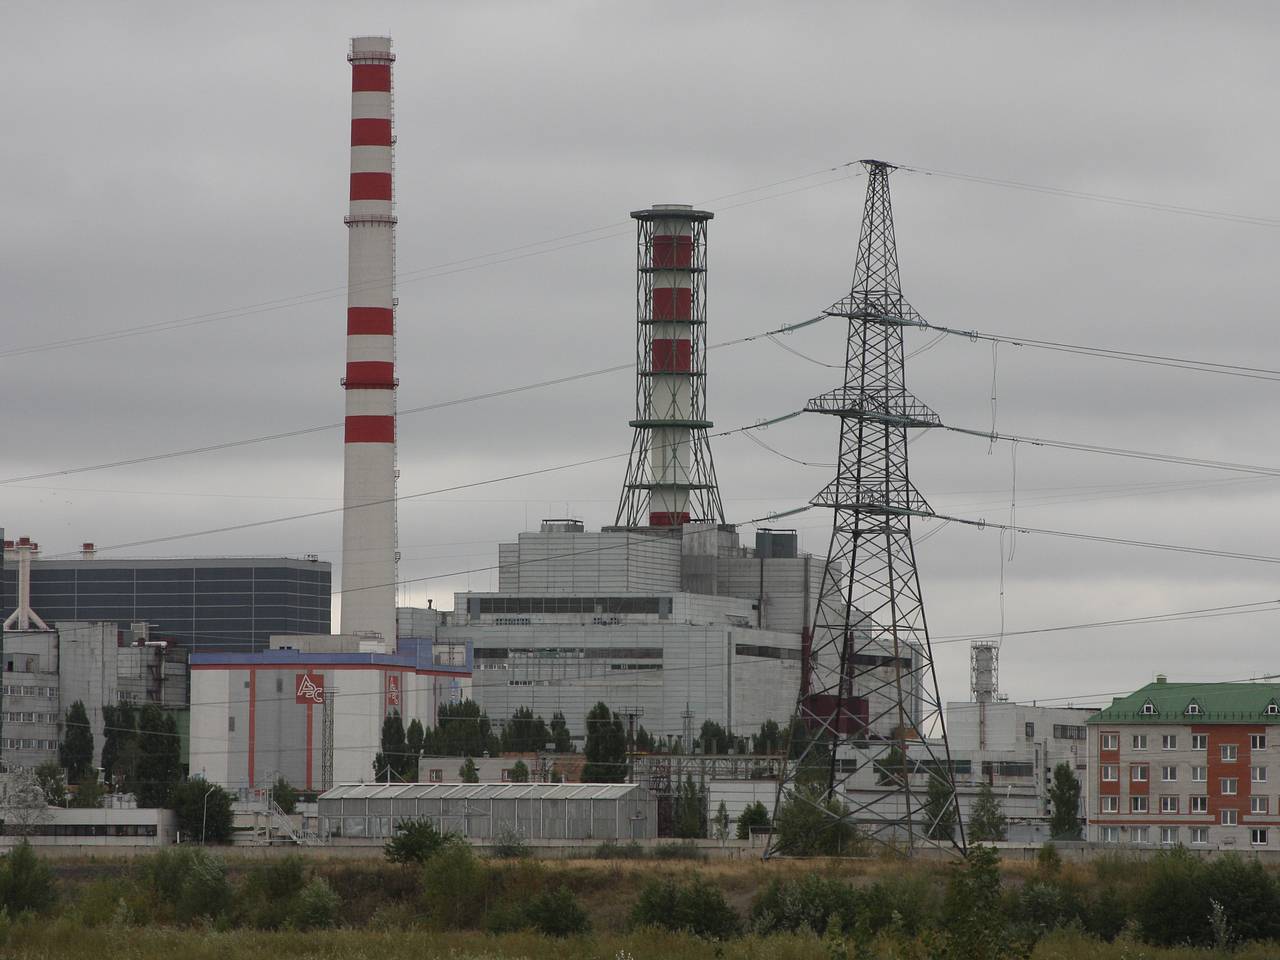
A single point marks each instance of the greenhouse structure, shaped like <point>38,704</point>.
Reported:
<point>489,811</point>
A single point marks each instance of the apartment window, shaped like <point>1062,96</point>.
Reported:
<point>1258,774</point>
<point>1138,773</point>
<point>1110,773</point>
<point>1110,834</point>
<point>1229,752</point>
<point>1258,837</point>
<point>1140,835</point>
<point>436,776</point>
<point>1169,741</point>
<point>1199,741</point>
<point>1111,741</point>
<point>279,685</point>
<point>1272,709</point>
<point>1168,836</point>
<point>1138,805</point>
<point>1257,741</point>
<point>1199,834</point>
<point>1228,786</point>
<point>1111,804</point>
<point>1200,804</point>
<point>1030,731</point>
<point>1169,774</point>
<point>1066,731</point>
<point>1149,708</point>
<point>1227,818</point>
<point>1168,804</point>
<point>231,724</point>
<point>1199,774</point>
<point>1258,805</point>
<point>1139,741</point>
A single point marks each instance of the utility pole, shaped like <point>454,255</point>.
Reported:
<point>869,694</point>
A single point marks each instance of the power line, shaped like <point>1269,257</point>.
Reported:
<point>424,408</point>
<point>1227,216</point>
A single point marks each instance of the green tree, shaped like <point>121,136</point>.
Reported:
<point>394,761</point>
<point>940,809</point>
<point>644,740</point>
<point>520,772</point>
<point>462,730</point>
<point>159,764</point>
<point>560,735</point>
<point>690,810</point>
<point>714,738</point>
<point>1064,801</point>
<point>415,841</point>
<point>284,794</point>
<point>753,815</point>
<point>52,784</point>
<point>75,752</point>
<point>203,811</point>
<point>971,909</point>
<point>721,821</point>
<point>769,740</point>
<point>415,737</point>
<point>89,794</point>
<point>810,823</point>
<point>891,768</point>
<point>119,744</point>
<point>986,818</point>
<point>525,733</point>
<point>25,882</point>
<point>468,772</point>
<point>606,747</point>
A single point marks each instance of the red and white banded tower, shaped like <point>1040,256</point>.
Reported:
<point>369,485</point>
<point>671,478</point>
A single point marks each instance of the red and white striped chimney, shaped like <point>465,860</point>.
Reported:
<point>369,490</point>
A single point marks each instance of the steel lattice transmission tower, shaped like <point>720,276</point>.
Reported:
<point>869,695</point>
<point>670,478</point>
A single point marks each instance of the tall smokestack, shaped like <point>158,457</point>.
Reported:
<point>369,486</point>
<point>670,478</point>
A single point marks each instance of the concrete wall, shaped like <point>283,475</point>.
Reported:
<point>589,563</point>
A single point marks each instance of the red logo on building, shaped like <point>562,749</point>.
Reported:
<point>309,688</point>
<point>393,690</point>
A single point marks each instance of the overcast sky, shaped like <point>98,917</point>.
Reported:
<point>175,160</point>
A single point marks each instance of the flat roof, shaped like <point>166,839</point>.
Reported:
<point>481,791</point>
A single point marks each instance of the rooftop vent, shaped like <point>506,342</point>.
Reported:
<point>562,526</point>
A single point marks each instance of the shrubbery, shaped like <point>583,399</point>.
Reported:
<point>25,882</point>
<point>689,906</point>
<point>415,841</point>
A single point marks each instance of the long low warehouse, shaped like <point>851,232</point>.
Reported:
<point>487,811</point>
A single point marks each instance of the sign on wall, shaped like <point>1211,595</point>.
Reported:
<point>393,691</point>
<point>309,688</point>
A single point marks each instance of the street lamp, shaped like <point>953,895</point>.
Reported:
<point>204,812</point>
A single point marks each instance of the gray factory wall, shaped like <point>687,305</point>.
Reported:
<point>605,562</point>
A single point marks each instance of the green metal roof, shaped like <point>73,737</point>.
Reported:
<point>1216,702</point>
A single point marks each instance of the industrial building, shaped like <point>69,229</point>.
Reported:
<point>216,603</point>
<point>1189,764</point>
<point>668,626</point>
<point>488,811</point>
<point>310,709</point>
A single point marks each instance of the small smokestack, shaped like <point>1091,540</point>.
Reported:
<point>23,617</point>
<point>87,551</point>
<point>369,482</point>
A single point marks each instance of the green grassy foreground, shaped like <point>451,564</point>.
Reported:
<point>65,940</point>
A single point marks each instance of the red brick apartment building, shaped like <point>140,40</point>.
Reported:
<point>1196,764</point>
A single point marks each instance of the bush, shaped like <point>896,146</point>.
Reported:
<point>754,815</point>
<point>1248,896</point>
<point>694,906</point>
<point>677,851</point>
<point>454,887</point>
<point>25,881</point>
<point>1048,860</point>
<point>268,892</point>
<point>557,913</point>
<point>971,910</point>
<point>190,881</point>
<point>415,841</point>
<point>811,824</point>
<point>907,903</point>
<point>1172,903</point>
<point>315,907</point>
<point>1106,914</point>
<point>809,903</point>
<point>1045,905</point>
<point>510,844</point>
<point>203,811</point>
<point>612,850</point>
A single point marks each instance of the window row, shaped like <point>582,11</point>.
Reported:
<point>1169,836</point>
<point>1169,741</point>
<point>21,743</point>
<point>18,690</point>
<point>1172,804</point>
<point>1141,773</point>
<point>20,716</point>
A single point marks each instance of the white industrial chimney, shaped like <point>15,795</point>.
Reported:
<point>369,508</point>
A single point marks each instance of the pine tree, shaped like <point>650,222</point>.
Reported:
<point>159,763</point>
<point>606,747</point>
<point>714,738</point>
<point>75,752</point>
<point>393,761</point>
<point>525,733</point>
<point>119,743</point>
<point>691,810</point>
<point>940,810</point>
<point>986,819</point>
<point>468,772</point>
<point>560,733</point>
<point>415,737</point>
<point>769,739</point>
<point>1064,800</point>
